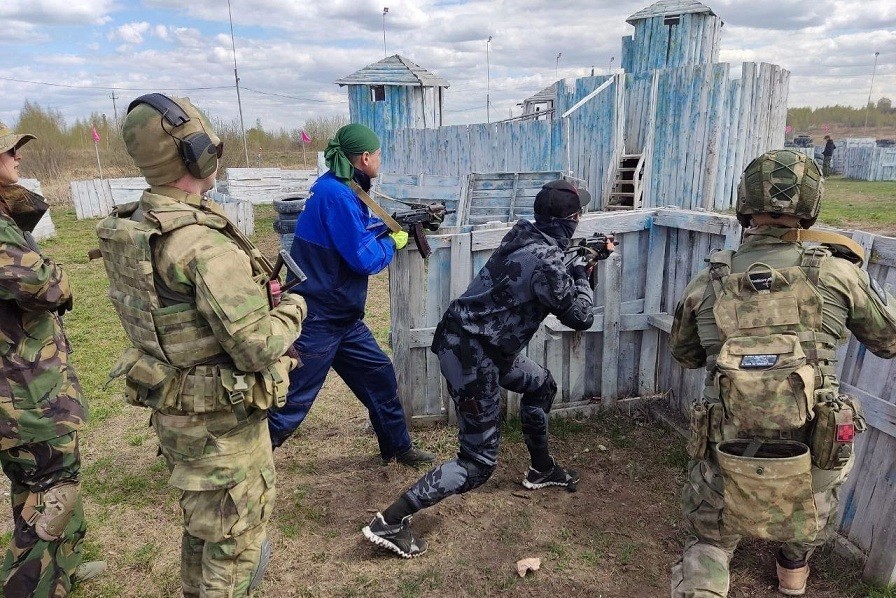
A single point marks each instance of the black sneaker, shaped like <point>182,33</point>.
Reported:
<point>398,538</point>
<point>414,457</point>
<point>557,476</point>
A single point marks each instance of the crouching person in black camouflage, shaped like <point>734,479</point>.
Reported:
<point>41,407</point>
<point>208,348</point>
<point>478,343</point>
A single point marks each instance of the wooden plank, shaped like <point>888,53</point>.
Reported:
<point>656,257</point>
<point>878,413</point>
<point>612,287</point>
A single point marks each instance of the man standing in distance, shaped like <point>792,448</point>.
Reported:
<point>338,244</point>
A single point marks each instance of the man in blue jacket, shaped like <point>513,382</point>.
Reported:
<point>339,244</point>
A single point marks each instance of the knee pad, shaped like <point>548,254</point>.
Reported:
<point>543,396</point>
<point>50,511</point>
<point>263,561</point>
<point>477,473</point>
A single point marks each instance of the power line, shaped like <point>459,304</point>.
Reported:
<point>282,95</point>
<point>114,87</point>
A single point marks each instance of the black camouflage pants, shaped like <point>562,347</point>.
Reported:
<point>474,381</point>
<point>34,567</point>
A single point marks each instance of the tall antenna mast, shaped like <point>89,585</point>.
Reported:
<point>236,78</point>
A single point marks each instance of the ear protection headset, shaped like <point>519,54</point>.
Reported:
<point>197,151</point>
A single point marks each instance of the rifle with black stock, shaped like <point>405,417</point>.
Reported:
<point>419,216</point>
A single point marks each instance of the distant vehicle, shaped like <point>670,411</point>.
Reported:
<point>886,142</point>
<point>802,141</point>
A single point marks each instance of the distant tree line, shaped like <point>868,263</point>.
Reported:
<point>880,114</point>
<point>66,151</point>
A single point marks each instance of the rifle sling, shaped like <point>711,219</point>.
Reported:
<point>825,238</point>
<point>388,220</point>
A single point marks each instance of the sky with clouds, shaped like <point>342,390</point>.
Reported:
<point>72,55</point>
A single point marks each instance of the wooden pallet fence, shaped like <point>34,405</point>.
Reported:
<point>263,185</point>
<point>44,229</point>
<point>868,163</point>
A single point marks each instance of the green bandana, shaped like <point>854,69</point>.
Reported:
<point>350,139</point>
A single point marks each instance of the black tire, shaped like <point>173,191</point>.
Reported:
<point>284,227</point>
<point>289,205</point>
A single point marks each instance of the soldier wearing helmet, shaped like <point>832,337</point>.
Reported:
<point>771,437</point>
<point>208,353</point>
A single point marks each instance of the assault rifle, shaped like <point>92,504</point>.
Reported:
<point>428,216</point>
<point>418,217</point>
<point>588,251</point>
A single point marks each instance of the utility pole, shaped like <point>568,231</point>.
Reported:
<point>868,105</point>
<point>557,66</point>
<point>610,70</point>
<point>488,81</point>
<point>236,78</point>
<point>385,10</point>
<point>115,108</point>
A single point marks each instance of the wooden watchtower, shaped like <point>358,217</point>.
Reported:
<point>395,93</point>
<point>671,34</point>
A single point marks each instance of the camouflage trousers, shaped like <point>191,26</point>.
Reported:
<point>34,567</point>
<point>702,570</point>
<point>474,380</point>
<point>226,472</point>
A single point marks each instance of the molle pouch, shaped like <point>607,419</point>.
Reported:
<point>698,440</point>
<point>148,381</point>
<point>765,383</point>
<point>768,490</point>
<point>272,383</point>
<point>837,421</point>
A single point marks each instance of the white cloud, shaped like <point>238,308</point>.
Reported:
<point>161,32</point>
<point>56,12</point>
<point>130,33</point>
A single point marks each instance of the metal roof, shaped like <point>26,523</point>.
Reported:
<point>394,70</point>
<point>670,7</point>
<point>545,95</point>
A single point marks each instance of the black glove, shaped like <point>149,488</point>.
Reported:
<point>580,272</point>
<point>67,306</point>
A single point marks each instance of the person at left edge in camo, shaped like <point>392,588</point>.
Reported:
<point>42,410</point>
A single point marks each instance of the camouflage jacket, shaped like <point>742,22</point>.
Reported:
<point>523,281</point>
<point>851,301</point>
<point>201,266</point>
<point>40,397</point>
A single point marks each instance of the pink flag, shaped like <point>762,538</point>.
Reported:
<point>305,137</point>
<point>95,135</point>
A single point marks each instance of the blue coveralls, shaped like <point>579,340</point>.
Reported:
<point>336,245</point>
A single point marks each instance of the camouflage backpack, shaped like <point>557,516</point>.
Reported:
<point>770,324</point>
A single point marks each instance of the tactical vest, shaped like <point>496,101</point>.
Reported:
<point>175,362</point>
<point>775,361</point>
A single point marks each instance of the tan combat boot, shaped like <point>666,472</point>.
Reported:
<point>792,582</point>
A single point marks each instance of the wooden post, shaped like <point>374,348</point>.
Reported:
<point>611,283</point>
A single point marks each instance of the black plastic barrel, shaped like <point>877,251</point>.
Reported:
<point>287,209</point>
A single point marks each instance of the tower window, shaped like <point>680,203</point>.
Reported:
<point>378,93</point>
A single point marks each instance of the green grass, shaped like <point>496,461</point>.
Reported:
<point>859,204</point>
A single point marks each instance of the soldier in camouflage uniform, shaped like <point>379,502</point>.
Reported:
<point>771,438</point>
<point>41,408</point>
<point>209,352</point>
<point>479,342</point>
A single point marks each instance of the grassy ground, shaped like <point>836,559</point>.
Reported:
<point>866,205</point>
<point>616,537</point>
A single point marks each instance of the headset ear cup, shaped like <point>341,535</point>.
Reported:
<point>199,154</point>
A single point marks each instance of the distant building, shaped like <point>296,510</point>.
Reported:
<point>395,93</point>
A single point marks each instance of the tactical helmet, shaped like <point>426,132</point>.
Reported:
<point>781,182</point>
<point>157,146</point>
